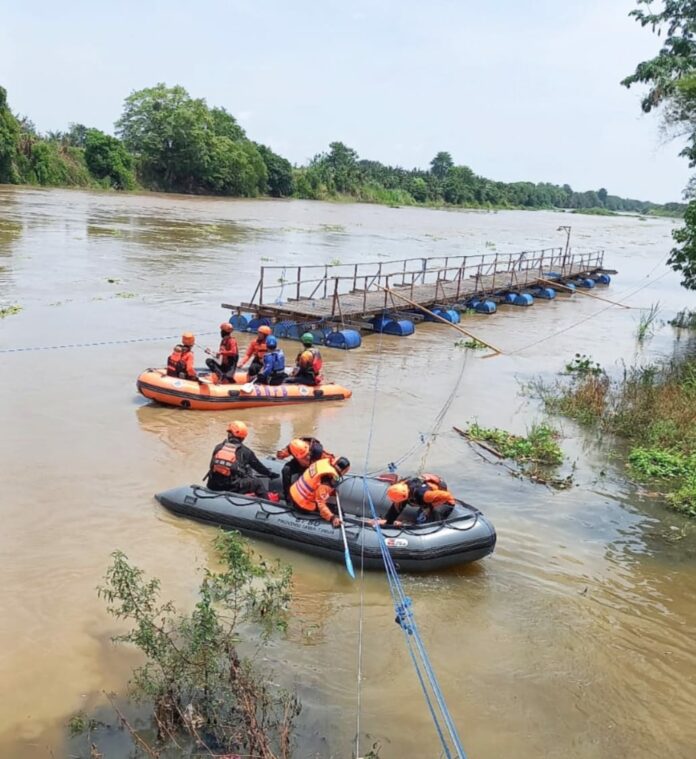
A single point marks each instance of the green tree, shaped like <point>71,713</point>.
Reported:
<point>9,141</point>
<point>108,159</point>
<point>671,80</point>
<point>343,163</point>
<point>183,145</point>
<point>280,183</point>
<point>441,164</point>
<point>602,195</point>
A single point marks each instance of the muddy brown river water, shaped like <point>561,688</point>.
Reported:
<point>575,639</point>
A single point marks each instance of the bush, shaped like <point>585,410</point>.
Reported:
<point>201,692</point>
<point>107,159</point>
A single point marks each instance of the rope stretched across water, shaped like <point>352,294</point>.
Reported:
<point>435,700</point>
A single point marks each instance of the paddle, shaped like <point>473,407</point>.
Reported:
<point>247,388</point>
<point>346,552</point>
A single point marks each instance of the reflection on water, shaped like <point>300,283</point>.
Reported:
<point>573,640</point>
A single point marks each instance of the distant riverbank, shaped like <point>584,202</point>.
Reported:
<point>170,142</point>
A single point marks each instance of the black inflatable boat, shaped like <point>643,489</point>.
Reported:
<point>465,536</point>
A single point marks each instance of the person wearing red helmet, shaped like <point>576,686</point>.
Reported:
<point>428,492</point>
<point>180,361</point>
<point>232,465</point>
<point>228,355</point>
<point>302,451</point>
<point>256,351</point>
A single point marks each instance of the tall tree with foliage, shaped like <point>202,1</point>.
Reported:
<point>671,80</point>
<point>9,141</point>
<point>183,145</point>
<point>441,164</point>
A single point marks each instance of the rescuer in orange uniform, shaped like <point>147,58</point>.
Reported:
<point>308,363</point>
<point>428,492</point>
<point>316,485</point>
<point>228,353</point>
<point>180,362</point>
<point>302,452</point>
<point>232,463</point>
<point>256,351</point>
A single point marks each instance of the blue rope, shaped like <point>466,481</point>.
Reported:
<point>407,622</point>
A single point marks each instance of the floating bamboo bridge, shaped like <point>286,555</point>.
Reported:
<point>354,295</point>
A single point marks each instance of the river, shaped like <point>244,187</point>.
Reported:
<point>574,640</point>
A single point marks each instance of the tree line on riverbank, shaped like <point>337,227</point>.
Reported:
<point>168,141</point>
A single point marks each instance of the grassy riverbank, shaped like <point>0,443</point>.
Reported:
<point>652,407</point>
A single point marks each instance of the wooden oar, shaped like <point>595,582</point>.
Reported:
<point>551,283</point>
<point>459,328</point>
<point>346,552</point>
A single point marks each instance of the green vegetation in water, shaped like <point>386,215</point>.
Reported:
<point>685,319</point>
<point>193,680</point>
<point>595,211</point>
<point>125,295</point>
<point>9,310</point>
<point>471,343</point>
<point>646,322</point>
<point>582,365</point>
<point>540,446</point>
<point>652,407</point>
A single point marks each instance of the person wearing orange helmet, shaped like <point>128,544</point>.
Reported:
<point>180,361</point>
<point>428,492</point>
<point>302,451</point>
<point>232,465</point>
<point>317,484</point>
<point>228,355</point>
<point>256,351</point>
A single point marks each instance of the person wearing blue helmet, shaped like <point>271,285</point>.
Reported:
<point>273,369</point>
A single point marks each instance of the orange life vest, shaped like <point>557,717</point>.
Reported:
<point>258,349</point>
<point>176,363</point>
<point>225,460</point>
<point>304,491</point>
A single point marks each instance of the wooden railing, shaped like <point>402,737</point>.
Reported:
<point>447,273</point>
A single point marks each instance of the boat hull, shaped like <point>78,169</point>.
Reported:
<point>467,536</point>
<point>155,385</point>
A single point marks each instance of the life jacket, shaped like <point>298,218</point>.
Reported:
<point>274,362</point>
<point>176,366</point>
<point>309,360</point>
<point>225,460</point>
<point>229,345</point>
<point>258,349</point>
<point>304,491</point>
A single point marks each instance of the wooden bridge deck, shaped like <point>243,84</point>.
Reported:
<point>360,303</point>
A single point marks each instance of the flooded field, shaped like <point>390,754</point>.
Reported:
<point>574,640</point>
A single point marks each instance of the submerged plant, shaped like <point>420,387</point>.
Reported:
<point>646,322</point>
<point>200,690</point>
<point>472,343</point>
<point>685,319</point>
<point>582,365</point>
<point>540,446</point>
<point>9,311</point>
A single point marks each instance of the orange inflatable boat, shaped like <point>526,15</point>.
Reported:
<point>211,396</point>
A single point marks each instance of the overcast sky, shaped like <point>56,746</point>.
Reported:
<point>516,89</point>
